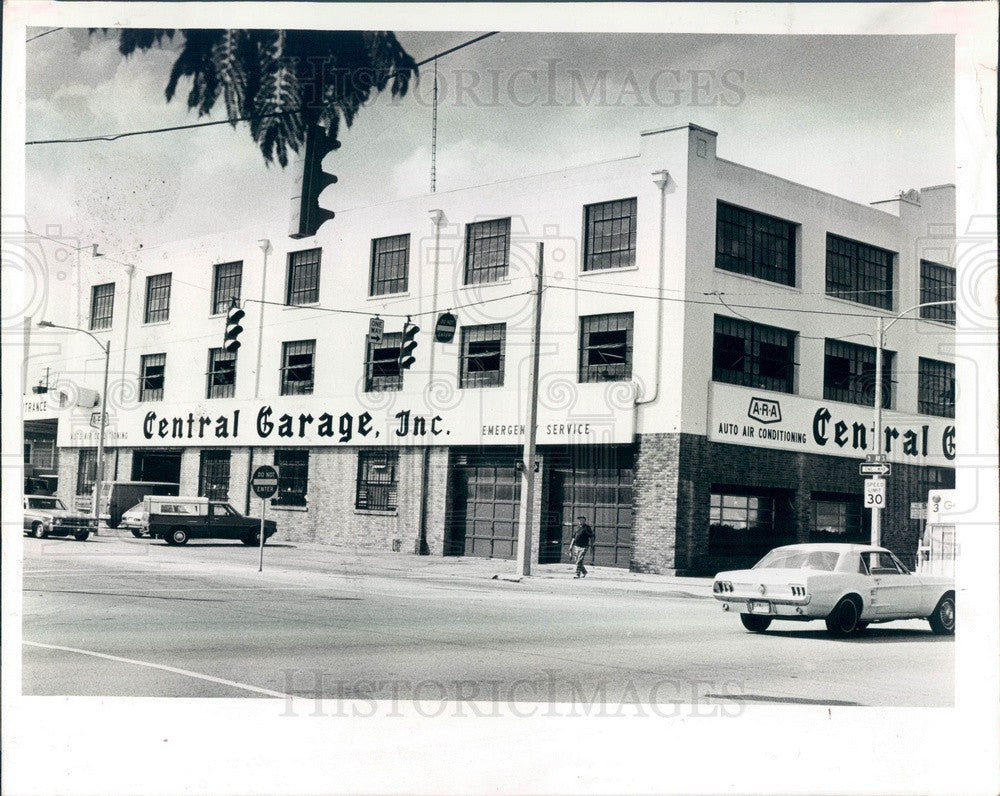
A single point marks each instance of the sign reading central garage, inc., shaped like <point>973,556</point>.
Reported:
<point>743,416</point>
<point>402,419</point>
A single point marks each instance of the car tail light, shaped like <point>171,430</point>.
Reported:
<point>722,586</point>
<point>798,591</point>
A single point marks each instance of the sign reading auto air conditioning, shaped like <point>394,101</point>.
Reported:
<point>481,417</point>
<point>754,418</point>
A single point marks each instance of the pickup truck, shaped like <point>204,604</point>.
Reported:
<point>45,515</point>
<point>177,519</point>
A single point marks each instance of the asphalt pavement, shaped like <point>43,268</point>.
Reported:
<point>116,616</point>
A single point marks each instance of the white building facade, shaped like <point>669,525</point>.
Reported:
<point>706,369</point>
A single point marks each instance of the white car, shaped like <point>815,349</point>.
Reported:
<point>848,585</point>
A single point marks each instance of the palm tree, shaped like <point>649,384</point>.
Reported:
<point>286,83</point>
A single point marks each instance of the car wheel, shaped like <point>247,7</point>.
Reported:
<point>754,623</point>
<point>137,534</point>
<point>38,530</point>
<point>862,627</point>
<point>943,619</point>
<point>249,539</point>
<point>843,620</point>
<point>81,536</point>
<point>177,536</point>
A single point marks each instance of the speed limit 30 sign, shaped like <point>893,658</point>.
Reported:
<point>874,493</point>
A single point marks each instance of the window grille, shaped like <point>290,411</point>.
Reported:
<point>213,474</point>
<point>102,305</point>
<point>610,241</point>
<point>226,286</point>
<point>377,480</point>
<point>382,371</point>
<point>157,298</point>
<point>390,265</point>
<point>293,477</point>
<point>606,347</point>
<point>153,369</point>
<point>303,277</point>
<point>221,376</point>
<point>297,367</point>
<point>482,355</point>
<point>487,251</point>
<point>858,272</point>
<point>936,388</point>
<point>849,374</point>
<point>937,283</point>
<point>753,355</point>
<point>754,244</point>
<point>86,471</point>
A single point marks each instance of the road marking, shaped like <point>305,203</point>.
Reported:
<point>173,669</point>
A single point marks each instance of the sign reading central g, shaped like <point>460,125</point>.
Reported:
<point>264,481</point>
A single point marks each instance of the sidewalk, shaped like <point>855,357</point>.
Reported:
<point>468,568</point>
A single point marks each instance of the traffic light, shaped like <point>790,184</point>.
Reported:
<point>233,329</point>
<point>406,358</point>
<point>307,215</point>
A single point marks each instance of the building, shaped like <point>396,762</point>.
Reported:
<point>707,364</point>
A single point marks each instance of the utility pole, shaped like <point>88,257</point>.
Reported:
<point>525,515</point>
<point>877,510</point>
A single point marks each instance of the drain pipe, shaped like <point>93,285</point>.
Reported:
<point>265,246</point>
<point>661,179</point>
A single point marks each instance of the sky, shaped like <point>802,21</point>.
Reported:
<point>863,117</point>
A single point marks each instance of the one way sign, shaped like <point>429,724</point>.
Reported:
<point>875,468</point>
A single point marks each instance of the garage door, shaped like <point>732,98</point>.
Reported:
<point>595,483</point>
<point>484,491</point>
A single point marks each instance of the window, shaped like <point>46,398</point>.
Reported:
<point>741,522</point>
<point>936,388</point>
<point>754,244</point>
<point>837,518</point>
<point>226,285</point>
<point>42,453</point>
<point>482,355</point>
<point>390,265</point>
<point>102,305</point>
<point>937,283</point>
<point>303,277</point>
<point>610,239</point>
<point>753,355</point>
<point>297,359</point>
<point>382,371</point>
<point>376,489</point>
<point>157,298</point>
<point>606,347</point>
<point>487,251</point>
<point>221,375</point>
<point>849,374</point>
<point>152,368</point>
<point>293,477</point>
<point>213,475</point>
<point>858,272</point>
<point>86,471</point>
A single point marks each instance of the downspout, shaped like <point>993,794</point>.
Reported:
<point>422,548</point>
<point>661,178</point>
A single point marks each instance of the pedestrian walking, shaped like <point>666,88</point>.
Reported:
<point>583,538</point>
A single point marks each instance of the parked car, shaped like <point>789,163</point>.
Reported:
<point>135,520</point>
<point>118,496</point>
<point>848,585</point>
<point>177,519</point>
<point>45,515</point>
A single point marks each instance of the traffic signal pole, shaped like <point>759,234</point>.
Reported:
<point>526,504</point>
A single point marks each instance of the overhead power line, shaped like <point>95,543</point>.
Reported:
<point>44,33</point>
<point>195,125</point>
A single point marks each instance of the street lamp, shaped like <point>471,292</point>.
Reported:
<point>881,327</point>
<point>106,347</point>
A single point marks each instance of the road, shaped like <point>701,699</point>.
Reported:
<point>121,617</point>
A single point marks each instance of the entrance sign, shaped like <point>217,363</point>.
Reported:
<point>265,484</point>
<point>874,493</point>
<point>264,481</point>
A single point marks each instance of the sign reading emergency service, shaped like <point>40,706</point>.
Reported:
<point>743,416</point>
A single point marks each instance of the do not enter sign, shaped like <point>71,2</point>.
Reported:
<point>264,481</point>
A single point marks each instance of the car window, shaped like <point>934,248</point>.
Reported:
<point>882,563</point>
<point>221,510</point>
<point>821,560</point>
<point>179,508</point>
<point>45,503</point>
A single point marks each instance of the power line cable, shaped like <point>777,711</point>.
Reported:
<point>45,33</point>
<point>151,131</point>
